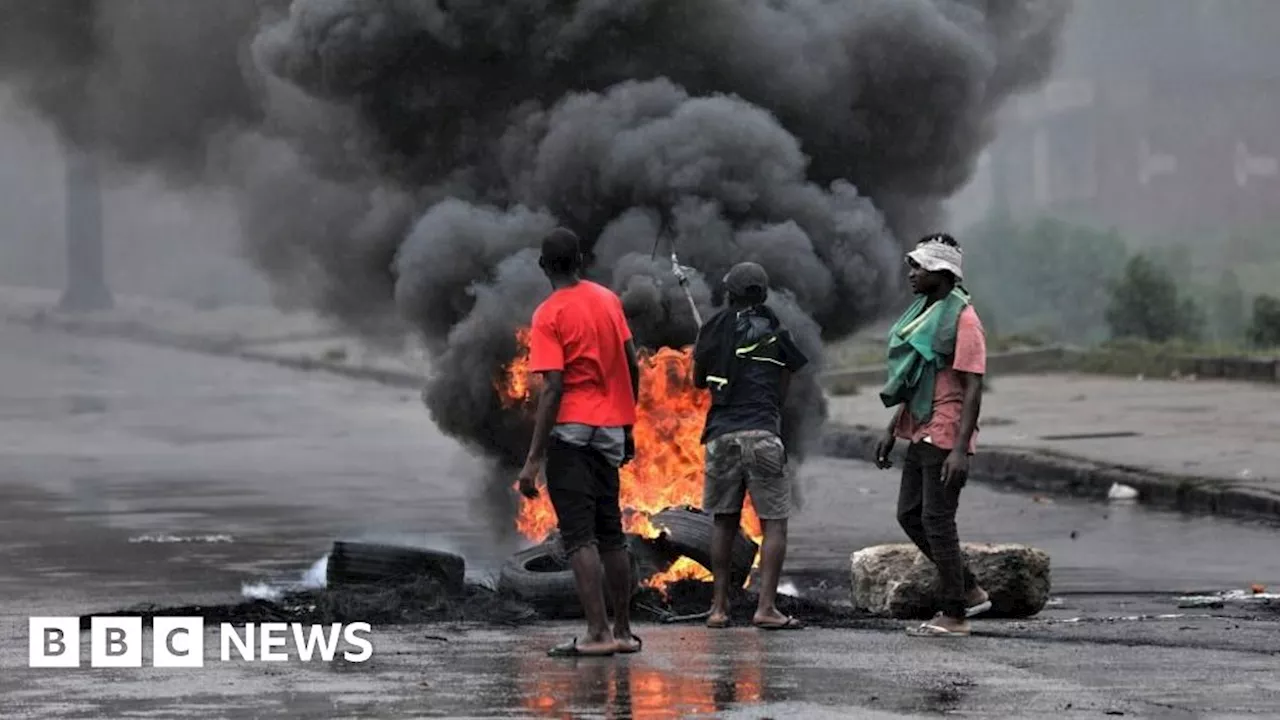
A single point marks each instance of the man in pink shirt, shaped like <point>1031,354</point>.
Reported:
<point>937,358</point>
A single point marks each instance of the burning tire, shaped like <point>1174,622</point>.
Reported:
<point>353,563</point>
<point>541,577</point>
<point>687,530</point>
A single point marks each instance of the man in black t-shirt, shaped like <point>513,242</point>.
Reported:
<point>745,357</point>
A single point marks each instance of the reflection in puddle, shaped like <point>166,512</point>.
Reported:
<point>727,673</point>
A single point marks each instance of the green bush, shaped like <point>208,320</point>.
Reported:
<point>1132,356</point>
<point>1265,329</point>
<point>1147,305</point>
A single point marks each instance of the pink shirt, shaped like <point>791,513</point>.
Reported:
<point>948,393</point>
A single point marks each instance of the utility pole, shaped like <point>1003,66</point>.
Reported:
<point>86,287</point>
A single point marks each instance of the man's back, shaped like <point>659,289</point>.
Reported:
<point>582,331</point>
<point>762,352</point>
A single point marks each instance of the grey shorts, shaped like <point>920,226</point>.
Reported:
<point>752,461</point>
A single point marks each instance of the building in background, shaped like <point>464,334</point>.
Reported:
<point>1163,120</point>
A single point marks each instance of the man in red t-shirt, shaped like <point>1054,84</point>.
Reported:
<point>581,345</point>
<point>941,338</point>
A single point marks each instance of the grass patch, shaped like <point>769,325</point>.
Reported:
<point>1169,359</point>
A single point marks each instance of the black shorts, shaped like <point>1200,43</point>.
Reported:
<point>583,487</point>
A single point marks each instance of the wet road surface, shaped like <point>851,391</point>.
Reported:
<point>109,452</point>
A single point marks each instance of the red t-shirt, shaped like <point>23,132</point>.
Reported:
<point>582,331</point>
<point>948,393</point>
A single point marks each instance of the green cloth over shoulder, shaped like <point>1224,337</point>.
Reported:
<point>922,342</point>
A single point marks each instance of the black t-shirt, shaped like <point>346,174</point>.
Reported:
<point>759,350</point>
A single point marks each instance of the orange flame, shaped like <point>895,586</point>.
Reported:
<point>682,569</point>
<point>668,467</point>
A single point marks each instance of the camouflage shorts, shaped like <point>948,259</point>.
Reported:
<point>753,461</point>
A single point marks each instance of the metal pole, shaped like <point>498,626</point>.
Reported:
<point>684,283</point>
<point>86,287</point>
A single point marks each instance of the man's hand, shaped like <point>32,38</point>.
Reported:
<point>529,479</point>
<point>955,470</point>
<point>883,448</point>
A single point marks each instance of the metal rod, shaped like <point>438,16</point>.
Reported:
<point>683,278</point>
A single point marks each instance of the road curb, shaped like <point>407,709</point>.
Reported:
<point>1049,472</point>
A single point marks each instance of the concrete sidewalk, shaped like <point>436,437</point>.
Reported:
<point>1210,446</point>
<point>1193,445</point>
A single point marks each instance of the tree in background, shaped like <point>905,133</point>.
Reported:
<point>1048,277</point>
<point>1146,304</point>
<point>1265,330</point>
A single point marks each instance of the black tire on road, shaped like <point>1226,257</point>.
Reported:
<point>541,577</point>
<point>355,563</point>
<point>688,532</point>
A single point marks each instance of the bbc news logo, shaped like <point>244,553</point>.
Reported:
<point>178,642</point>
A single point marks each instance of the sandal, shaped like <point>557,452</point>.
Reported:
<point>571,649</point>
<point>977,609</point>
<point>626,650</point>
<point>789,624</point>
<point>931,630</point>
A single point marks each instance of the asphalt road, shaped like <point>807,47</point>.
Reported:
<point>110,451</point>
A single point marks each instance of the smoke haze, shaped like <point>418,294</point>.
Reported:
<point>395,162</point>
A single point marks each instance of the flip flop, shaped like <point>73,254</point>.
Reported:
<point>718,624</point>
<point>571,649</point>
<point>629,651</point>
<point>931,630</point>
<point>977,609</point>
<point>789,624</point>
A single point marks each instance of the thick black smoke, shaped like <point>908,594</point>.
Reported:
<point>400,159</point>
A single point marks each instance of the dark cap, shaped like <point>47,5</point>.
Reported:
<point>744,276</point>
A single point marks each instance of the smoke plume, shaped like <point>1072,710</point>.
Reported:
<point>397,161</point>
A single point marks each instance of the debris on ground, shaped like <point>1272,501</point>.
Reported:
<point>1254,595</point>
<point>419,602</point>
<point>426,602</point>
<point>1122,492</point>
<point>692,598</point>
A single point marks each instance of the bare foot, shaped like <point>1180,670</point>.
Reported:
<point>976,602</point>
<point>719,618</point>
<point>772,619</point>
<point>976,596</point>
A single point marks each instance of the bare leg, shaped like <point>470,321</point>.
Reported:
<point>588,575</point>
<point>617,575</point>
<point>772,555</point>
<point>722,537</point>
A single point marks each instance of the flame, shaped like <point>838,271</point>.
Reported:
<point>682,569</point>
<point>668,467</point>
